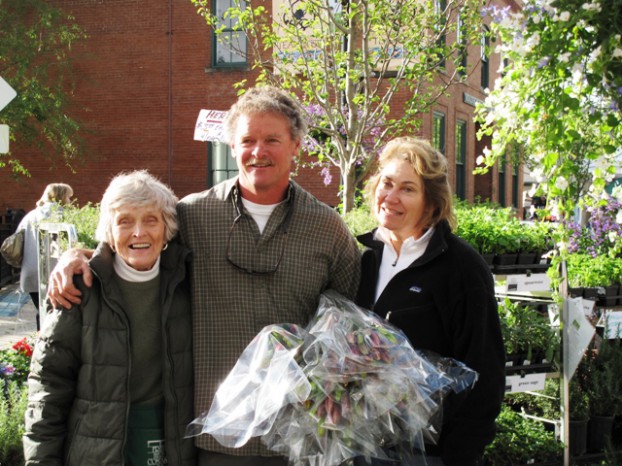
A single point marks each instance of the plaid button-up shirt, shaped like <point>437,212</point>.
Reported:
<point>229,305</point>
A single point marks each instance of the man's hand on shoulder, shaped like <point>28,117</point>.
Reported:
<point>61,290</point>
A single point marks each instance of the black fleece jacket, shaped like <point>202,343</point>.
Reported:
<point>444,302</point>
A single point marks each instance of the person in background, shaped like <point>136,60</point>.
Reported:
<point>436,288</point>
<point>111,380</point>
<point>264,250</point>
<point>54,197</point>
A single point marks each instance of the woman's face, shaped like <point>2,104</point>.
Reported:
<point>138,234</point>
<point>399,200</point>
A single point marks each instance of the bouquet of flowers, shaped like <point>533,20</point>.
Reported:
<point>350,384</point>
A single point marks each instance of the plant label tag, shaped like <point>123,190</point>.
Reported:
<point>4,139</point>
<point>533,282</point>
<point>578,331</point>
<point>612,322</point>
<point>525,383</point>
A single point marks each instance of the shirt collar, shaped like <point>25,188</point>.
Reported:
<point>410,244</point>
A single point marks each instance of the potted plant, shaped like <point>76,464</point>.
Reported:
<point>598,276</point>
<point>604,389</point>
<point>579,413</point>
<point>527,334</point>
<point>520,440</point>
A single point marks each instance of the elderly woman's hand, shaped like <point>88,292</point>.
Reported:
<point>61,290</point>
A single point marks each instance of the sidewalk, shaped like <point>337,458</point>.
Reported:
<point>17,315</point>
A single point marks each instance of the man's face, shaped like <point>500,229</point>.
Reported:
<point>264,150</point>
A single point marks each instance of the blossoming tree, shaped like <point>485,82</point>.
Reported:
<point>347,60</point>
<point>559,97</point>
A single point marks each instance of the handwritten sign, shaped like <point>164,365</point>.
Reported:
<point>209,125</point>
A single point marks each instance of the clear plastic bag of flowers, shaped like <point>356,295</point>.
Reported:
<point>348,385</point>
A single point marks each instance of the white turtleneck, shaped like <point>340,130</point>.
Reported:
<point>129,274</point>
<point>394,262</point>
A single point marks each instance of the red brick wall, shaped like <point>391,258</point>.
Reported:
<point>142,76</point>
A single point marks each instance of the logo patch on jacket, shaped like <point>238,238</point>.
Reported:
<point>415,289</point>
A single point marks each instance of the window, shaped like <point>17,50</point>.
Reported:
<point>439,8</point>
<point>229,45</point>
<point>461,40</point>
<point>461,149</point>
<point>502,181</point>
<point>485,68</point>
<point>515,167</point>
<point>438,132</point>
<point>221,163</point>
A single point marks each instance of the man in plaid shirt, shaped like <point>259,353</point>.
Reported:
<point>264,250</point>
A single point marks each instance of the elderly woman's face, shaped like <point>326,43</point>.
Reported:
<point>138,234</point>
<point>399,200</point>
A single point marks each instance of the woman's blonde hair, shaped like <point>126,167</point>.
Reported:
<point>136,189</point>
<point>428,163</point>
<point>56,192</point>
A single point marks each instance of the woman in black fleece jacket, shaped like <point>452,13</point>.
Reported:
<point>435,287</point>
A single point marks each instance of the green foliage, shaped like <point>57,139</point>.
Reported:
<point>526,331</point>
<point>350,89</point>
<point>544,404</point>
<point>360,220</point>
<point>13,400</point>
<point>520,440</point>
<point>586,271</point>
<point>491,229</point>
<point>559,98</point>
<point>487,228</point>
<point>85,220</point>
<point>34,60</point>
<point>603,380</point>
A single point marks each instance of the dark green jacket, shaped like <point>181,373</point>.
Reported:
<point>78,398</point>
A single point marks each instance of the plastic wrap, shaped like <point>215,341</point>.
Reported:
<point>348,385</point>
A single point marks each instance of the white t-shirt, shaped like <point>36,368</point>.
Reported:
<point>260,212</point>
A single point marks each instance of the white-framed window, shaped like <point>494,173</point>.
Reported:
<point>229,45</point>
<point>221,164</point>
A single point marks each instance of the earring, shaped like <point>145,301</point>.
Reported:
<point>165,247</point>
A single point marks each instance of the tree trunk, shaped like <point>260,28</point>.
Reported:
<point>348,190</point>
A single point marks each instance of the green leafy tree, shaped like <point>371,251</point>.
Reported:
<point>347,61</point>
<point>559,97</point>
<point>35,38</point>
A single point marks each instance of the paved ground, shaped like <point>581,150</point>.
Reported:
<point>17,315</point>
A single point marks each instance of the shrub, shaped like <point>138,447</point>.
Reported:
<point>360,220</point>
<point>13,400</point>
<point>85,220</point>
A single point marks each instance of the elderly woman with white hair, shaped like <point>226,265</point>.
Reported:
<point>112,379</point>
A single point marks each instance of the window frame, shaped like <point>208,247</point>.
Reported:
<point>218,45</point>
<point>461,156</point>
<point>217,153</point>
<point>502,180</point>
<point>485,59</point>
<point>439,141</point>
<point>462,46</point>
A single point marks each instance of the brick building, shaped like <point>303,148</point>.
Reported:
<point>147,69</point>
